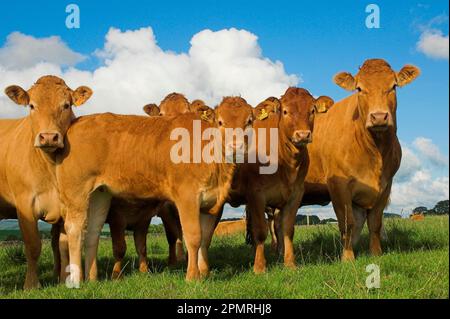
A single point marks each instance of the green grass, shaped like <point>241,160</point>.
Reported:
<point>415,265</point>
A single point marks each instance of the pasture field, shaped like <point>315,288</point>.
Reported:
<point>415,265</point>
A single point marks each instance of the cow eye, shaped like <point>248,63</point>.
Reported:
<point>220,123</point>
<point>66,106</point>
<point>31,107</point>
<point>285,112</point>
<point>359,89</point>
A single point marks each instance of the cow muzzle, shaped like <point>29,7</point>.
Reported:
<point>378,121</point>
<point>237,146</point>
<point>49,141</point>
<point>301,137</point>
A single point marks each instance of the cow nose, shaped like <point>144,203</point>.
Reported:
<point>379,118</point>
<point>237,146</point>
<point>49,139</point>
<point>302,137</point>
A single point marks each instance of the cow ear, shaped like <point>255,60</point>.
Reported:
<point>151,109</point>
<point>81,95</point>
<point>17,94</point>
<point>345,80</point>
<point>323,104</point>
<point>407,74</point>
<point>208,115</point>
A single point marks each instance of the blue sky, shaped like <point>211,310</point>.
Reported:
<point>313,39</point>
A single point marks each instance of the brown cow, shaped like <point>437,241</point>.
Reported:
<point>136,216</point>
<point>28,149</point>
<point>230,227</point>
<point>284,188</point>
<point>270,106</point>
<point>356,152</point>
<point>151,109</point>
<point>174,104</point>
<point>323,104</point>
<point>204,111</point>
<point>133,157</point>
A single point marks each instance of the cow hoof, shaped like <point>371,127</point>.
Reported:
<point>376,252</point>
<point>116,275</point>
<point>259,269</point>
<point>143,268</point>
<point>348,255</point>
<point>204,274</point>
<point>32,285</point>
<point>290,265</point>
<point>194,276</point>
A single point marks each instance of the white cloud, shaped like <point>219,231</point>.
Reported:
<point>409,165</point>
<point>430,151</point>
<point>135,71</point>
<point>434,44</point>
<point>23,51</point>
<point>422,179</point>
<point>421,190</point>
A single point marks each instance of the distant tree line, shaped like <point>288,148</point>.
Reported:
<point>441,208</point>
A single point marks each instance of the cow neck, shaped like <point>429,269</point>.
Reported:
<point>289,157</point>
<point>225,173</point>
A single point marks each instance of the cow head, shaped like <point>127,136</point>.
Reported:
<point>235,113</point>
<point>151,109</point>
<point>174,104</point>
<point>298,109</point>
<point>204,111</point>
<point>267,107</point>
<point>376,85</point>
<point>50,101</point>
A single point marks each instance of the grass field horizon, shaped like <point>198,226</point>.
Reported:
<point>415,264</point>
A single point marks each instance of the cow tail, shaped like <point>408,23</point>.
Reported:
<point>248,235</point>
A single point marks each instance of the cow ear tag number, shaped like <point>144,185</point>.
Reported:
<point>263,115</point>
<point>204,116</point>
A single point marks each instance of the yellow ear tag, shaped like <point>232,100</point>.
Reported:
<point>204,116</point>
<point>263,115</point>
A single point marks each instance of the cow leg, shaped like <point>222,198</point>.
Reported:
<point>278,231</point>
<point>174,235</point>
<point>256,208</point>
<point>74,225</point>
<point>32,241</point>
<point>288,214</point>
<point>64,254</point>
<point>375,223</point>
<point>140,242</point>
<point>99,204</point>
<point>208,224</point>
<point>360,215</point>
<point>270,220</point>
<point>117,226</point>
<point>342,204</point>
<point>189,212</point>
<point>181,256</point>
<point>55,249</point>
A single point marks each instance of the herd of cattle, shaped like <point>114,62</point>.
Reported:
<point>78,173</point>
